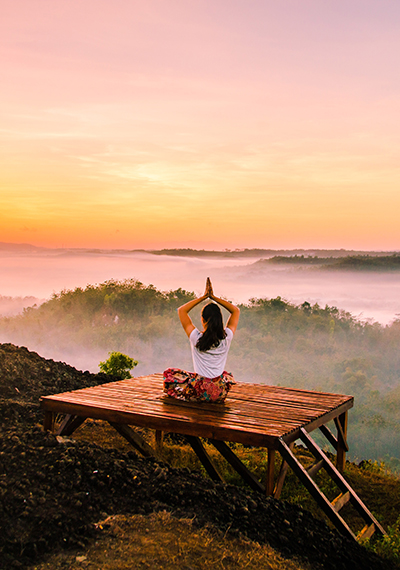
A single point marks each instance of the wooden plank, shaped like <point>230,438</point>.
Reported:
<point>239,406</point>
<point>254,393</point>
<point>254,414</point>
<point>81,409</point>
<point>151,412</point>
<point>230,456</point>
<point>249,412</point>
<point>183,426</point>
<point>311,426</point>
<point>202,454</point>
<point>198,413</point>
<point>340,501</point>
<point>246,423</point>
<point>134,439</point>
<point>314,468</point>
<point>366,532</point>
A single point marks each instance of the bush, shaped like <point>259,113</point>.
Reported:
<point>118,364</point>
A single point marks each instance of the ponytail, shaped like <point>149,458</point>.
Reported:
<point>215,331</point>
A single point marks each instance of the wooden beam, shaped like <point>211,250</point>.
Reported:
<point>329,436</point>
<point>282,475</point>
<point>159,440</point>
<point>269,484</point>
<point>238,466</point>
<point>70,424</point>
<point>341,425</point>
<point>314,468</point>
<point>170,422</point>
<point>202,454</point>
<point>48,422</point>
<point>314,424</point>
<point>134,439</point>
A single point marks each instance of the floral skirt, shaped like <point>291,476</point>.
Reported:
<point>192,387</point>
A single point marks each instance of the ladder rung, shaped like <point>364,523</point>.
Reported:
<point>341,501</point>
<point>314,468</point>
<point>366,532</point>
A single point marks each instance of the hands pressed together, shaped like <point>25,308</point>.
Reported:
<point>209,290</point>
<point>184,310</point>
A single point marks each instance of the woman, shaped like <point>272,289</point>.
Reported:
<point>210,381</point>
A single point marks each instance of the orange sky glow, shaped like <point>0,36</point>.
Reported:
<point>222,124</point>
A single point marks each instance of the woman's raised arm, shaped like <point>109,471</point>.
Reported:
<point>233,320</point>
<point>183,310</point>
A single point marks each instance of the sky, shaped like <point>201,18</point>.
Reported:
<point>200,123</point>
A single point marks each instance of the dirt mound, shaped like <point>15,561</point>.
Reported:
<point>53,490</point>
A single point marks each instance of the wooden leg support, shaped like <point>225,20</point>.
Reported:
<point>282,475</point>
<point>159,441</point>
<point>48,424</point>
<point>202,454</point>
<point>238,466</point>
<point>70,424</point>
<point>341,425</point>
<point>134,439</point>
<point>269,486</point>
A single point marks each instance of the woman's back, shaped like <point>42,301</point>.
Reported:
<point>210,363</point>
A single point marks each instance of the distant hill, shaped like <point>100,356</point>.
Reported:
<point>305,256</point>
<point>18,247</point>
<point>293,254</point>
<point>377,262</point>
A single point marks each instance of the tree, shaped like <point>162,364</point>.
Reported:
<point>118,364</point>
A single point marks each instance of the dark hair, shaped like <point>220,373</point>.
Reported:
<point>215,331</point>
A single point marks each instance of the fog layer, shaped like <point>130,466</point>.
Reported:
<point>40,274</point>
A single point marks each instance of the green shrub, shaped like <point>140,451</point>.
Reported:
<point>118,364</point>
<point>389,545</point>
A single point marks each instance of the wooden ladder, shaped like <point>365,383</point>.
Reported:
<point>347,495</point>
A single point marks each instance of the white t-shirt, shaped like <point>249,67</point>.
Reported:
<point>212,362</point>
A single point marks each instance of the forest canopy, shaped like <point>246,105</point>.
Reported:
<point>277,342</point>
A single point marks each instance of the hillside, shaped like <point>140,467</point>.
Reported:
<point>355,262</point>
<point>55,490</point>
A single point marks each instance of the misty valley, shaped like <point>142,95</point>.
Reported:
<point>301,345</point>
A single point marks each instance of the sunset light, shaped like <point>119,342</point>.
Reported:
<point>133,124</point>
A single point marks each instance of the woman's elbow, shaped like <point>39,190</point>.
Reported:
<point>182,314</point>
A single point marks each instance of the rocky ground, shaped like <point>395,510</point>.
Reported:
<point>54,490</point>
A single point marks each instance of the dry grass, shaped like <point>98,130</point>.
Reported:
<point>161,541</point>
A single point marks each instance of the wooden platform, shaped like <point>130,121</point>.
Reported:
<point>253,414</point>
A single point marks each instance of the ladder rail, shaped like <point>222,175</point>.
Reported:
<point>314,490</point>
<point>339,480</point>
